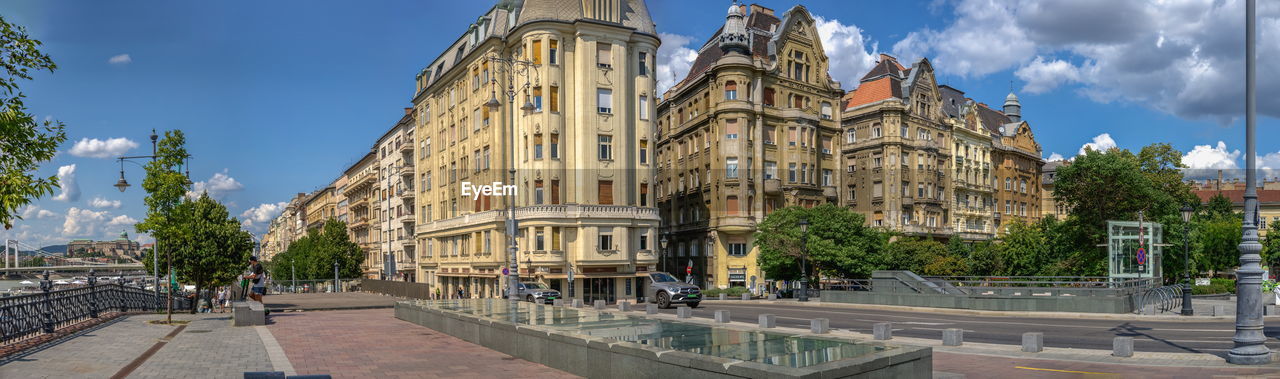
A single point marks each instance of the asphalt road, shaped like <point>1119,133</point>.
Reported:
<point>1209,336</point>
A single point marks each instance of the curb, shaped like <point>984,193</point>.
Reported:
<point>283,310</point>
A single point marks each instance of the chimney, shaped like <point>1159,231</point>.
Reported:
<point>408,111</point>
<point>1219,180</point>
<point>758,8</point>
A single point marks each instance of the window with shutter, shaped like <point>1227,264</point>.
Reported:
<point>605,189</point>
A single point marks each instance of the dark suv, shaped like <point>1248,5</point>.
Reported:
<point>665,290</point>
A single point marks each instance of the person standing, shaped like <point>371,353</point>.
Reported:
<point>257,278</point>
<point>222,299</point>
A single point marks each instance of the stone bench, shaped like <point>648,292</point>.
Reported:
<point>248,313</point>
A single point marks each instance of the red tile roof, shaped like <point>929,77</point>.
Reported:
<point>873,91</point>
<point>1237,196</point>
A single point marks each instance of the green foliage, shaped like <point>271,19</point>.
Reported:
<point>839,244</point>
<point>1219,206</point>
<point>732,292</point>
<point>985,259</point>
<point>1228,284</point>
<point>1271,245</point>
<point>35,261</point>
<point>1219,241</point>
<point>25,142</point>
<point>211,249</point>
<point>924,257</point>
<point>313,255</point>
<point>166,186</point>
<point>1211,289</point>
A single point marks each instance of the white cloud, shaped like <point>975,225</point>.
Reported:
<point>847,51</point>
<point>101,203</point>
<point>1042,76</point>
<point>260,216</point>
<point>96,148</point>
<point>1102,142</point>
<point>45,213</point>
<point>218,186</point>
<point>30,211</point>
<point>674,59</point>
<point>122,220</point>
<point>1211,157</point>
<point>1183,58</point>
<point>67,179</point>
<point>121,59</point>
<point>1055,157</point>
<point>83,222</point>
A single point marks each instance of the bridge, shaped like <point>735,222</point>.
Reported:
<point>70,268</point>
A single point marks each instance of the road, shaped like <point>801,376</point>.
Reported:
<point>1209,336</point>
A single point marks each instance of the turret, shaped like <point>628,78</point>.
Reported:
<point>734,35</point>
<point>1012,108</point>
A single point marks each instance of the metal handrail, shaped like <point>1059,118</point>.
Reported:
<point>1163,299</point>
<point>26,316</point>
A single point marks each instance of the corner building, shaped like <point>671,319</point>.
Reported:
<point>576,139</point>
<point>749,130</point>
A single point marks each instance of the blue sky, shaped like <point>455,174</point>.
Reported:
<point>279,97</point>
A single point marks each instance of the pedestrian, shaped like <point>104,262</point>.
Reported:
<point>222,299</point>
<point>459,293</point>
<point>256,276</point>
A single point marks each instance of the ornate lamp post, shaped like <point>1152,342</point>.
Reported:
<point>1187,211</point>
<point>804,259</point>
<point>1250,342</point>
<point>511,67</point>
<point>663,255</point>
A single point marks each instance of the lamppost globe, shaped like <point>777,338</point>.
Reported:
<point>804,256</point>
<point>493,103</point>
<point>663,241</point>
<point>804,225</point>
<point>1187,211</point>
<point>527,107</point>
<point>122,184</point>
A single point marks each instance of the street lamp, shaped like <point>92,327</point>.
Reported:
<point>1187,211</point>
<point>1250,341</point>
<point>663,254</point>
<point>804,256</point>
<point>511,67</point>
<point>123,184</point>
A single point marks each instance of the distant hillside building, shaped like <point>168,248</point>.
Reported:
<point>119,247</point>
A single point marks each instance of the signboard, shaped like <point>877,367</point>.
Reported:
<point>1134,250</point>
<point>1202,281</point>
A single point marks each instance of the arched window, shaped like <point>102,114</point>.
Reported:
<point>731,90</point>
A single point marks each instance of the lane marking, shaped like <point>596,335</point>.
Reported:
<point>1066,371</point>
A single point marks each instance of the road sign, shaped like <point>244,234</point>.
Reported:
<point>1142,255</point>
<point>506,271</point>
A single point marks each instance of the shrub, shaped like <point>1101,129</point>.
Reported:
<point>1211,289</point>
<point>1227,284</point>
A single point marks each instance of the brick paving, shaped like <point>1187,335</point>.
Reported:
<point>208,348</point>
<point>327,301</point>
<point>372,343</point>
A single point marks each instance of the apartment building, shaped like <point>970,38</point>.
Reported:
<point>395,195</point>
<point>320,206</point>
<point>285,228</point>
<point>1016,163</point>
<point>897,150</point>
<point>1049,206</point>
<point>572,90</point>
<point>751,129</point>
<point>360,195</point>
<point>973,206</point>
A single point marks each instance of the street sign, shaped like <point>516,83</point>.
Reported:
<point>506,271</point>
<point>1142,255</point>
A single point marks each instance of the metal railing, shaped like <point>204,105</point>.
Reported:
<point>26,316</point>
<point>278,287</point>
<point>1000,285</point>
<point>1162,299</point>
<point>399,289</point>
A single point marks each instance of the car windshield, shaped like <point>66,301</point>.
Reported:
<point>535,286</point>
<point>663,277</point>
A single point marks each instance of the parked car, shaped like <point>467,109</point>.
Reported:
<point>534,292</point>
<point>665,290</point>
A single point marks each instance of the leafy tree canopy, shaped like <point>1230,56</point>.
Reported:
<point>838,244</point>
<point>25,142</point>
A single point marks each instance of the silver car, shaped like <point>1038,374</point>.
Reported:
<point>665,290</point>
<point>534,292</point>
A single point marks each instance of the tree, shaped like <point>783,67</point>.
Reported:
<point>985,259</point>
<point>210,248</point>
<point>313,255</point>
<point>1219,206</point>
<point>1271,245</point>
<point>1024,250</point>
<point>165,185</point>
<point>1219,243</point>
<point>839,244</point>
<point>24,141</point>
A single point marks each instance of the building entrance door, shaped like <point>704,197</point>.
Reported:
<point>598,289</point>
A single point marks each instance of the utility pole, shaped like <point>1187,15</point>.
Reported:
<point>1250,342</point>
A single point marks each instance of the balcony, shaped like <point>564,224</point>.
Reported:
<point>908,201</point>
<point>359,223</point>
<point>407,148</point>
<point>406,170</point>
<point>406,194</point>
<point>736,223</point>
<point>926,230</point>
<point>773,186</point>
<point>830,192</point>
<point>546,257</point>
<point>645,257</point>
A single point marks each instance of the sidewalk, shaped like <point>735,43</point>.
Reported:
<point>327,301</point>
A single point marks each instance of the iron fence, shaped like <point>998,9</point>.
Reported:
<point>26,316</point>
<point>313,286</point>
<point>999,285</point>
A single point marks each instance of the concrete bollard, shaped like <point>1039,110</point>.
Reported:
<point>1032,342</point>
<point>819,326</point>
<point>577,303</point>
<point>684,312</point>
<point>882,331</point>
<point>768,321</point>
<point>599,304</point>
<point>746,296</point>
<point>952,337</point>
<point>1268,310</point>
<point>722,316</point>
<point>558,302</point>
<point>624,306</point>
<point>724,296</point>
<point>1122,347</point>
<point>651,309</point>
<point>773,296</point>
<point>1219,310</point>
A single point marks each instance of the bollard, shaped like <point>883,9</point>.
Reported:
<point>1032,342</point>
<point>768,321</point>
<point>1219,310</point>
<point>624,306</point>
<point>882,331</point>
<point>819,326</point>
<point>651,309</point>
<point>773,296</point>
<point>1122,347</point>
<point>722,316</point>
<point>724,296</point>
<point>746,296</point>
<point>684,312</point>
<point>93,294</point>
<point>599,304</point>
<point>577,303</point>
<point>952,337</point>
<point>558,302</point>
<point>47,309</point>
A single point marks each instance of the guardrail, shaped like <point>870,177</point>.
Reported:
<point>1002,293</point>
<point>313,286</point>
<point>399,289</point>
<point>26,316</point>
<point>1000,285</point>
